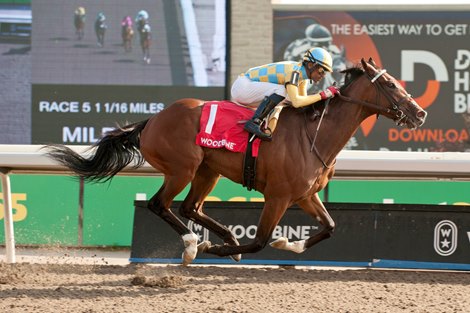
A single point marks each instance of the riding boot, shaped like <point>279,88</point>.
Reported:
<point>263,110</point>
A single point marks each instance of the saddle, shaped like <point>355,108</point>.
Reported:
<point>221,126</point>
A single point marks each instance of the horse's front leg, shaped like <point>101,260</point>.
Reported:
<point>270,216</point>
<point>146,50</point>
<point>315,208</point>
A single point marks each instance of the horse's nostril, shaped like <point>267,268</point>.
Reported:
<point>421,114</point>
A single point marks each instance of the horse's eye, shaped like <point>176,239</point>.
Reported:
<point>392,85</point>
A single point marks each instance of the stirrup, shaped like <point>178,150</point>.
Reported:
<point>255,129</point>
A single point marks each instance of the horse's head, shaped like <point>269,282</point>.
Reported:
<point>382,94</point>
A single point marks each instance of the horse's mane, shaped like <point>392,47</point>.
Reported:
<point>351,74</point>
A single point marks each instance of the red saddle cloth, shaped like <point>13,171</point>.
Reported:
<point>222,127</point>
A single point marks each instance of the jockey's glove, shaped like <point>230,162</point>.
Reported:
<point>329,92</point>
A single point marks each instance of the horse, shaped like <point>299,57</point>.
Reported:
<point>79,22</point>
<point>145,35</point>
<point>100,29</point>
<point>127,34</point>
<point>291,169</point>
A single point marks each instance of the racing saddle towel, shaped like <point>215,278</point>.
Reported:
<point>221,126</point>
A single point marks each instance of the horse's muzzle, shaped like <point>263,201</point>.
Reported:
<point>421,116</point>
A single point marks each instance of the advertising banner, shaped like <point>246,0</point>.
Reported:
<point>426,51</point>
<point>50,214</point>
<point>366,235</point>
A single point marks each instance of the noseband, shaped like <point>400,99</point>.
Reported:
<point>397,115</point>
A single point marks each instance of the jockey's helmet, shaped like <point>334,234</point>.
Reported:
<point>101,17</point>
<point>318,34</point>
<point>80,11</point>
<point>319,56</point>
<point>142,15</point>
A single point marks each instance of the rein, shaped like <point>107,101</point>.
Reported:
<point>395,106</point>
<point>398,118</point>
<point>312,141</point>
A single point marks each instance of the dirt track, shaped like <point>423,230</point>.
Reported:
<point>28,287</point>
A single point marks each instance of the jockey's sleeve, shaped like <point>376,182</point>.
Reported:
<point>298,95</point>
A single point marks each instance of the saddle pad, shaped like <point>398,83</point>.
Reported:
<point>222,127</point>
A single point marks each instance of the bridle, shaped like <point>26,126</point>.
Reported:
<point>397,115</point>
<point>394,110</point>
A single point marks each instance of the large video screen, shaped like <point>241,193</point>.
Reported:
<point>82,42</point>
<point>87,66</point>
<point>426,50</point>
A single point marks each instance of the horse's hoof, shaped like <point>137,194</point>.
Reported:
<point>203,246</point>
<point>190,252</point>
<point>279,243</point>
<point>236,257</point>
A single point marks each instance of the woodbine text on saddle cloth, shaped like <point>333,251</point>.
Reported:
<point>221,127</point>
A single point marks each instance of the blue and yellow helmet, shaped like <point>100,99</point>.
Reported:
<point>319,56</point>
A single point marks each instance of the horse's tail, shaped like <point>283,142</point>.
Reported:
<point>116,150</point>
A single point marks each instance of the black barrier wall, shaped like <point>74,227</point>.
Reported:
<point>372,235</point>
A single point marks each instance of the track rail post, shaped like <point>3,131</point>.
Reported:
<point>8,216</point>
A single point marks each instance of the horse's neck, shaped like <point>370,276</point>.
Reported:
<point>338,126</point>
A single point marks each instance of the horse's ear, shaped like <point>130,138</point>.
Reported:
<point>367,67</point>
<point>371,62</point>
<point>364,64</point>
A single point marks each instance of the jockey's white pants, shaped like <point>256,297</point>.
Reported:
<point>248,92</point>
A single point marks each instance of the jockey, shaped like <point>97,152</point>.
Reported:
<point>126,21</point>
<point>274,82</point>
<point>141,19</point>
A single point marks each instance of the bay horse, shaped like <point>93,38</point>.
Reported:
<point>291,169</point>
<point>127,34</point>
<point>145,35</point>
<point>79,23</point>
<point>100,29</point>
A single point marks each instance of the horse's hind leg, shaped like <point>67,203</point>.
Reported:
<point>147,55</point>
<point>315,208</point>
<point>191,208</point>
<point>270,216</point>
<point>160,205</point>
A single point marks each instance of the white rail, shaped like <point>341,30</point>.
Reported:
<point>350,165</point>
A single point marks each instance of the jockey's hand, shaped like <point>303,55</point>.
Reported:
<point>329,92</point>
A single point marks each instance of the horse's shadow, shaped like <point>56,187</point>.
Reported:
<point>105,52</point>
<point>82,45</point>
<point>59,39</point>
<point>15,51</point>
<point>125,61</point>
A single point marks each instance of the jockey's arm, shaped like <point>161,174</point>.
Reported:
<point>298,95</point>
